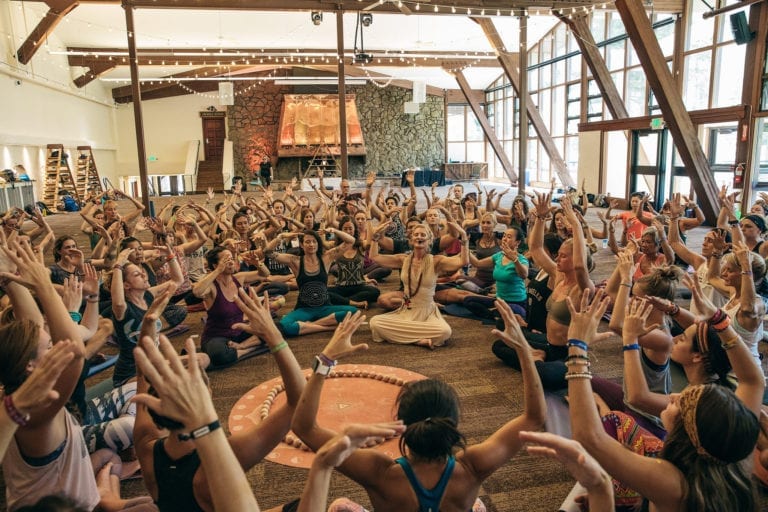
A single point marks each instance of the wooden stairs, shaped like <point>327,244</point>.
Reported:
<point>209,174</point>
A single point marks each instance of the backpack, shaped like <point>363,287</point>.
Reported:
<point>70,204</point>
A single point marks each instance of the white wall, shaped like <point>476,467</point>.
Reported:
<point>169,125</point>
<point>589,160</point>
<point>41,105</point>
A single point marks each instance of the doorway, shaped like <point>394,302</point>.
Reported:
<point>214,133</point>
<point>649,165</point>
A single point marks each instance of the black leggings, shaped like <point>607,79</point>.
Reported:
<point>218,349</point>
<point>341,295</point>
<point>551,371</point>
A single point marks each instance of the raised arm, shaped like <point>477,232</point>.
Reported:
<point>579,248</point>
<point>675,241</point>
<point>484,458</point>
<point>536,240</point>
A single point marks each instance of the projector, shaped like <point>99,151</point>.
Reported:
<point>363,58</point>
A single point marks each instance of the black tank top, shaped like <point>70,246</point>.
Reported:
<point>174,478</point>
<point>313,288</point>
<point>538,293</point>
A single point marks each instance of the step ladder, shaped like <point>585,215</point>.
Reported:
<point>86,175</point>
<point>323,161</point>
<point>58,176</point>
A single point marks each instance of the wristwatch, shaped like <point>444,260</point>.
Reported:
<point>322,367</point>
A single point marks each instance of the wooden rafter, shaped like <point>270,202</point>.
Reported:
<point>94,71</point>
<point>579,25</point>
<point>57,9</point>
<point>510,64</point>
<point>490,133</point>
<point>124,94</point>
<point>673,109</point>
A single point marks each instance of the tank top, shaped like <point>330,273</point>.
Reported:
<point>485,274</point>
<point>659,381</point>
<point>313,288</point>
<point>396,230</point>
<point>66,471</point>
<point>221,315</point>
<point>429,499</point>
<point>274,266</point>
<point>175,480</point>
<point>127,333</point>
<point>538,293</point>
<point>751,338</point>
<point>350,270</point>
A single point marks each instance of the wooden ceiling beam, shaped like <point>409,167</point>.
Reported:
<point>124,94</point>
<point>490,133</point>
<point>673,109</point>
<point>57,9</point>
<point>579,25</point>
<point>509,62</point>
<point>362,73</point>
<point>94,71</point>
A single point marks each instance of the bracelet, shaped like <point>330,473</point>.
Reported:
<point>721,325</point>
<point>716,255</point>
<point>76,316</point>
<point>117,266</point>
<point>326,360</point>
<point>13,413</point>
<point>628,285</point>
<point>632,346</point>
<point>675,310</point>
<point>578,362</point>
<point>578,375</point>
<point>728,345</point>
<point>578,344</point>
<point>577,356</point>
<point>746,272</point>
<point>200,432</point>
<point>280,346</point>
<point>717,317</point>
<point>170,258</point>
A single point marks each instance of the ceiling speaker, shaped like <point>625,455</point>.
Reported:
<point>740,28</point>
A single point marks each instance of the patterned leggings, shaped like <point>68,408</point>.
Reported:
<point>108,421</point>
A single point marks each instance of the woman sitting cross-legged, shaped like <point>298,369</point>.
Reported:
<point>314,311</point>
<point>712,430</point>
<point>510,269</point>
<point>437,470</point>
<point>352,286</point>
<point>418,321</point>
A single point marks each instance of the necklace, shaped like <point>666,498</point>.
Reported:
<point>412,292</point>
<point>487,244</point>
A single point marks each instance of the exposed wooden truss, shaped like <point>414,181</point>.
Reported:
<point>490,133</point>
<point>670,100</point>
<point>57,9</point>
<point>509,62</point>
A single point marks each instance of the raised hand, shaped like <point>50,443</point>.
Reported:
<point>585,320</point>
<point>638,311</point>
<point>512,336</point>
<point>541,204</point>
<point>743,255</point>
<point>182,393</point>
<point>579,463</point>
<point>72,293</point>
<point>703,304</point>
<point>256,310</point>
<point>334,452</point>
<point>341,342</point>
<point>37,391</point>
<point>211,194</point>
<point>30,270</point>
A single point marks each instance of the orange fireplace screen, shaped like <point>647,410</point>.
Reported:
<point>311,120</point>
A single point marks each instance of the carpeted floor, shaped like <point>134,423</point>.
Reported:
<point>490,394</point>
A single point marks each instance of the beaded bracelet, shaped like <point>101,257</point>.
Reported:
<point>632,346</point>
<point>75,316</point>
<point>280,346</point>
<point>675,310</point>
<point>578,375</point>
<point>578,344</point>
<point>717,317</point>
<point>628,285</point>
<point>578,362</point>
<point>577,356</point>
<point>14,413</point>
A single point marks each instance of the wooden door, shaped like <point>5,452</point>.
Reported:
<point>214,133</point>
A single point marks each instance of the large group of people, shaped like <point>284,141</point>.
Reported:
<point>526,269</point>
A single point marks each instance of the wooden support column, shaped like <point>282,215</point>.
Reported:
<point>57,9</point>
<point>510,66</point>
<point>579,25</point>
<point>754,62</point>
<point>137,114</point>
<point>487,128</point>
<point>673,109</point>
<point>342,95</point>
<point>523,148</point>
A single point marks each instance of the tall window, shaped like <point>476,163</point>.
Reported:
<point>465,135</point>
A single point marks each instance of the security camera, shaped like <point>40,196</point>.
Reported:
<point>17,82</point>
<point>317,17</point>
<point>366,19</point>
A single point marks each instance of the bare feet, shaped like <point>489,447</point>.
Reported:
<point>363,304</point>
<point>426,342</point>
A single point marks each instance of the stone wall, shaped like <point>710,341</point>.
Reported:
<point>393,140</point>
<point>253,124</point>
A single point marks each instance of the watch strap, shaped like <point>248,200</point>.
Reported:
<point>321,367</point>
<point>200,432</point>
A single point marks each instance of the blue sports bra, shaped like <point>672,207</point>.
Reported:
<point>429,499</point>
